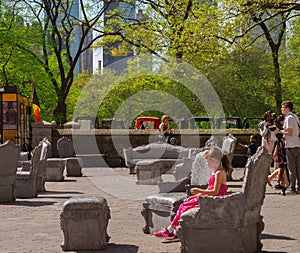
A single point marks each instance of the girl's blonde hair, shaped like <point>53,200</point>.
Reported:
<point>222,157</point>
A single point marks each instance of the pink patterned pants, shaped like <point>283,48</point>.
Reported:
<point>184,207</point>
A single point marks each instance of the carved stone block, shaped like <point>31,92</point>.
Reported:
<point>66,151</point>
<point>55,169</point>
<point>149,172</point>
<point>84,223</point>
<point>73,166</point>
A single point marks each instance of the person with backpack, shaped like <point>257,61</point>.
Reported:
<point>292,144</point>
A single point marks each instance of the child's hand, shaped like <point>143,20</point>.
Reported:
<point>195,191</point>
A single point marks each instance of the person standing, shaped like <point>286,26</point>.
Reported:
<point>252,147</point>
<point>142,126</point>
<point>268,131</point>
<point>292,144</point>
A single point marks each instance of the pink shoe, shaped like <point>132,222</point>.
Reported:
<point>163,233</point>
<point>170,239</point>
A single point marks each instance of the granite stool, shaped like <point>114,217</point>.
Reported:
<point>84,223</point>
<point>149,171</point>
<point>159,210</point>
<point>55,169</point>
<point>73,166</point>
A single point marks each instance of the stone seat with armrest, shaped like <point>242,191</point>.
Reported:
<point>30,178</point>
<point>182,171</point>
<point>9,155</point>
<point>228,146</point>
<point>198,175</point>
<point>159,209</point>
<point>230,223</point>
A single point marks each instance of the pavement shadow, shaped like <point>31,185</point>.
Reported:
<point>235,185</point>
<point>46,193</point>
<point>67,180</point>
<point>277,237</point>
<point>114,248</point>
<point>274,193</point>
<point>264,251</point>
<point>58,194</point>
<point>30,203</point>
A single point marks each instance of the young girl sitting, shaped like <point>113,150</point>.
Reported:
<point>220,165</point>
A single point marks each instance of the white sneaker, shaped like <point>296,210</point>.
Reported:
<point>291,192</point>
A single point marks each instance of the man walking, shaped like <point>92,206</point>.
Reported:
<point>292,144</point>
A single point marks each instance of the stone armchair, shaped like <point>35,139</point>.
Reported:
<point>159,209</point>
<point>30,178</point>
<point>230,223</point>
<point>197,174</point>
<point>9,155</point>
<point>187,172</point>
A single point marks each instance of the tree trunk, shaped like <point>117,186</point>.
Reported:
<point>60,113</point>
<point>274,49</point>
<point>277,80</point>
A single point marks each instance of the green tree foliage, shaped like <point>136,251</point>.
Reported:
<point>228,44</point>
<point>244,82</point>
<point>18,65</point>
<point>291,65</point>
<point>240,46</point>
<point>126,98</point>
<point>56,38</point>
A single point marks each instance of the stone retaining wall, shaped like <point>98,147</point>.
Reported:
<point>111,142</point>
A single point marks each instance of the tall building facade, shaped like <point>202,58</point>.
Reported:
<point>93,60</point>
<point>105,56</point>
<point>85,62</point>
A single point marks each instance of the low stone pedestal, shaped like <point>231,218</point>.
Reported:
<point>149,172</point>
<point>55,169</point>
<point>84,223</point>
<point>159,210</point>
<point>73,166</point>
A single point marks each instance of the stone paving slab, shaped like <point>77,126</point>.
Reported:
<point>32,225</point>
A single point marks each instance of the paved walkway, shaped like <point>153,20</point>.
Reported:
<point>33,225</point>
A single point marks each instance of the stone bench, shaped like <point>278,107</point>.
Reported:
<point>84,222</point>
<point>167,154</point>
<point>67,161</point>
<point>149,171</point>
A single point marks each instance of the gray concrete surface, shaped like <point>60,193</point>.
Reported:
<point>33,225</point>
